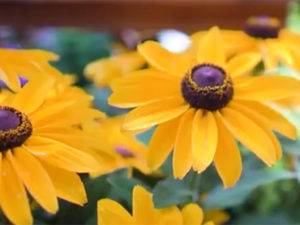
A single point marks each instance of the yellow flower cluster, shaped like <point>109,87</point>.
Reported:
<point>205,99</point>
<point>202,101</point>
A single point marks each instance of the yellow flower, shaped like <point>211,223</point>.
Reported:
<point>42,148</point>
<point>104,71</point>
<point>143,212</point>
<point>18,64</point>
<point>125,150</point>
<point>263,35</point>
<point>201,105</point>
<point>217,216</point>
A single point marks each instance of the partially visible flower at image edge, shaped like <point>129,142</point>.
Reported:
<point>143,212</point>
<point>42,148</point>
<point>17,65</point>
<point>202,104</point>
<point>264,35</point>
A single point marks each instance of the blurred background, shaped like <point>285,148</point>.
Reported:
<point>81,31</point>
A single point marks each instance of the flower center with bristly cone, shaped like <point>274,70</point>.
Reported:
<point>262,27</point>
<point>207,87</point>
<point>15,128</point>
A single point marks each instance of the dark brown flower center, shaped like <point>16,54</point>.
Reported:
<point>207,87</point>
<point>262,27</point>
<point>15,128</point>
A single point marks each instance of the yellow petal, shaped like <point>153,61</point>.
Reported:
<point>211,48</point>
<point>243,63</point>
<point>73,137</point>
<point>273,119</point>
<point>32,95</point>
<point>143,87</point>
<point>182,158</point>
<point>295,54</point>
<point>68,185</point>
<point>204,140</point>
<point>14,201</point>
<point>244,129</point>
<point>129,61</point>
<point>227,159</point>
<point>217,216</point>
<point>209,223</point>
<point>289,36</point>
<point>269,58</point>
<point>164,60</point>
<point>161,143</point>
<point>281,51</point>
<point>260,121</point>
<point>103,71</point>
<point>9,77</point>
<point>65,156</point>
<point>154,113</point>
<point>144,77</point>
<point>112,213</point>
<point>39,54</point>
<point>237,41</point>
<point>170,215</point>
<point>267,88</point>
<point>142,206</point>
<point>35,179</point>
<point>192,214</point>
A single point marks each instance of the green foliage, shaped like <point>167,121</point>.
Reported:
<point>123,185</point>
<point>171,192</point>
<point>223,198</point>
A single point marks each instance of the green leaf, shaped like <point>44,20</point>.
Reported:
<point>276,219</point>
<point>172,192</point>
<point>100,100</point>
<point>290,146</point>
<point>123,185</point>
<point>222,198</point>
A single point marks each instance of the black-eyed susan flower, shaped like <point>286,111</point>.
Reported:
<point>264,34</point>
<point>103,71</point>
<point>201,105</point>
<point>18,66</point>
<point>143,212</point>
<point>125,150</point>
<point>42,148</point>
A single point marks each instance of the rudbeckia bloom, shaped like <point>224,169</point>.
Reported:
<point>201,105</point>
<point>143,212</point>
<point>42,148</point>
<point>104,71</point>
<point>125,150</point>
<point>263,34</point>
<point>18,66</point>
